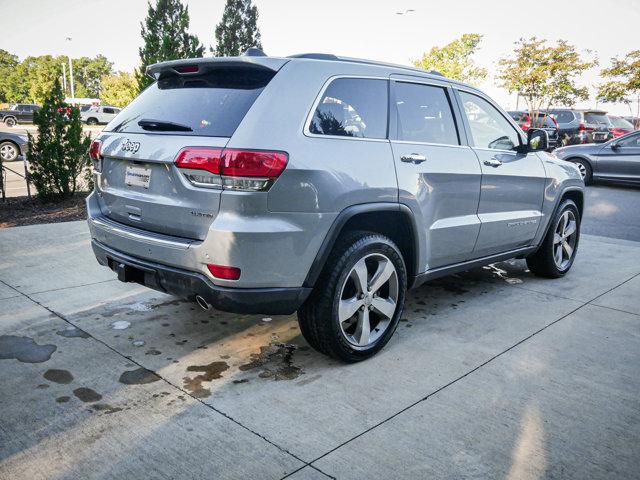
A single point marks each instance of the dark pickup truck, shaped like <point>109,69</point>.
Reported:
<point>18,113</point>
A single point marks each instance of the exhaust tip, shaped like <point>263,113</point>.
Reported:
<point>202,303</point>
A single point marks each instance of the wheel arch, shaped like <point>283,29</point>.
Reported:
<point>576,194</point>
<point>582,158</point>
<point>15,119</point>
<point>393,220</point>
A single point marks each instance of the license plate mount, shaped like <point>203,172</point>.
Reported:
<point>137,176</point>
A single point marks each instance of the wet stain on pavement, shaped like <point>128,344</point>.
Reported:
<point>24,349</point>
<point>210,372</point>
<point>87,395</point>
<point>58,376</point>
<point>42,386</point>
<point>153,351</point>
<point>63,399</point>
<point>106,408</point>
<point>72,332</point>
<point>139,376</point>
<point>275,361</point>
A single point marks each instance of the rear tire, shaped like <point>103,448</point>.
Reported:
<point>585,170</point>
<point>92,121</point>
<point>555,256</point>
<point>349,321</point>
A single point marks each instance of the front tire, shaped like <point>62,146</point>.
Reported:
<point>555,256</point>
<point>585,170</point>
<point>10,122</point>
<point>358,299</point>
<point>8,152</point>
<point>92,121</point>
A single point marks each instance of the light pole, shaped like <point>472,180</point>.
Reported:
<point>64,78</point>
<point>68,39</point>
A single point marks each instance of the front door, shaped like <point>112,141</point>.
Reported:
<point>622,162</point>
<point>511,197</point>
<point>438,176</point>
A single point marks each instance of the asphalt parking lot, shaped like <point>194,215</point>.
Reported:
<point>492,373</point>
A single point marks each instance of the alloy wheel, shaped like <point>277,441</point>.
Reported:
<point>565,239</point>
<point>583,170</point>
<point>8,152</point>
<point>368,300</point>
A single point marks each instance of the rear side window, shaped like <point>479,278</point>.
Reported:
<point>352,107</point>
<point>424,114</point>
<point>211,104</point>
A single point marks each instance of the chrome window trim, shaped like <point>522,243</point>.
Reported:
<point>307,133</point>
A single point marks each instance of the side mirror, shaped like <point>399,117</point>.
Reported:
<point>615,146</point>
<point>537,140</point>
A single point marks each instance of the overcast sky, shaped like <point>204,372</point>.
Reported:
<point>357,28</point>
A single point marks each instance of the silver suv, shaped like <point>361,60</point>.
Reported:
<point>322,185</point>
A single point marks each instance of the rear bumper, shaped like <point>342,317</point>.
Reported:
<point>183,283</point>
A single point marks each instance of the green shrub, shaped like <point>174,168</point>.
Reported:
<point>59,155</point>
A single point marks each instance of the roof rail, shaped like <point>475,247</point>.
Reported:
<point>316,56</point>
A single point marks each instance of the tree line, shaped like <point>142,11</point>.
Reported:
<point>165,34</point>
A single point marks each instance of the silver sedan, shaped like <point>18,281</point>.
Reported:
<point>617,159</point>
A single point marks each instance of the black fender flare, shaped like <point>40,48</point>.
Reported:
<point>338,224</point>
<point>557,206</point>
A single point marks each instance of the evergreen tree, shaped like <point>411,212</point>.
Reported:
<point>166,37</point>
<point>238,29</point>
<point>59,154</point>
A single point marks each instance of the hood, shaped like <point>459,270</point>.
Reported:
<point>584,149</point>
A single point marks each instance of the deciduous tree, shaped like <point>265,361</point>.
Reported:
<point>624,80</point>
<point>119,89</point>
<point>544,75</point>
<point>454,60</point>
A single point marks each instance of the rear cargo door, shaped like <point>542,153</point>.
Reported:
<point>139,184</point>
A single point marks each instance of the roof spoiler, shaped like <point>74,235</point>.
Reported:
<point>195,65</point>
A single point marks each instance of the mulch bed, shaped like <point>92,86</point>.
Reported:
<point>19,211</point>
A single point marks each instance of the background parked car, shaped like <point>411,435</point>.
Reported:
<point>617,159</point>
<point>620,126</point>
<point>635,121</point>
<point>19,113</point>
<point>542,120</point>
<point>12,146</point>
<point>101,114</point>
<point>581,126</point>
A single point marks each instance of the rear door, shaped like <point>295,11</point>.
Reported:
<point>512,191</point>
<point>438,174</point>
<point>139,184</point>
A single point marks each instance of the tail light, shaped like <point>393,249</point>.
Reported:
<point>223,272</point>
<point>94,154</point>
<point>583,128</point>
<point>235,169</point>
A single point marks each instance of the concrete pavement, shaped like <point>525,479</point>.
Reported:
<point>492,373</point>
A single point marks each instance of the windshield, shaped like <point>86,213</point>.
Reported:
<point>211,104</point>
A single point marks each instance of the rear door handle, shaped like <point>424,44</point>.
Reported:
<point>494,162</point>
<point>413,158</point>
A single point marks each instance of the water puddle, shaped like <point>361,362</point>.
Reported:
<point>72,332</point>
<point>24,349</point>
<point>274,361</point>
<point>58,376</point>
<point>87,395</point>
<point>210,372</point>
<point>139,376</point>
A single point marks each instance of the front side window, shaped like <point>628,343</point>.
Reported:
<point>352,107</point>
<point>424,114</point>
<point>489,128</point>
<point>631,141</point>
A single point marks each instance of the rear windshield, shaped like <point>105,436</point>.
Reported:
<point>598,118</point>
<point>563,116</point>
<point>544,120</point>
<point>619,122</point>
<point>212,104</point>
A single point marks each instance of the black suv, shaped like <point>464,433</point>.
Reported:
<point>18,113</point>
<point>542,121</point>
<point>582,126</point>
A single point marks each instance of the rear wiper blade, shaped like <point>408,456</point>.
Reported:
<point>162,126</point>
